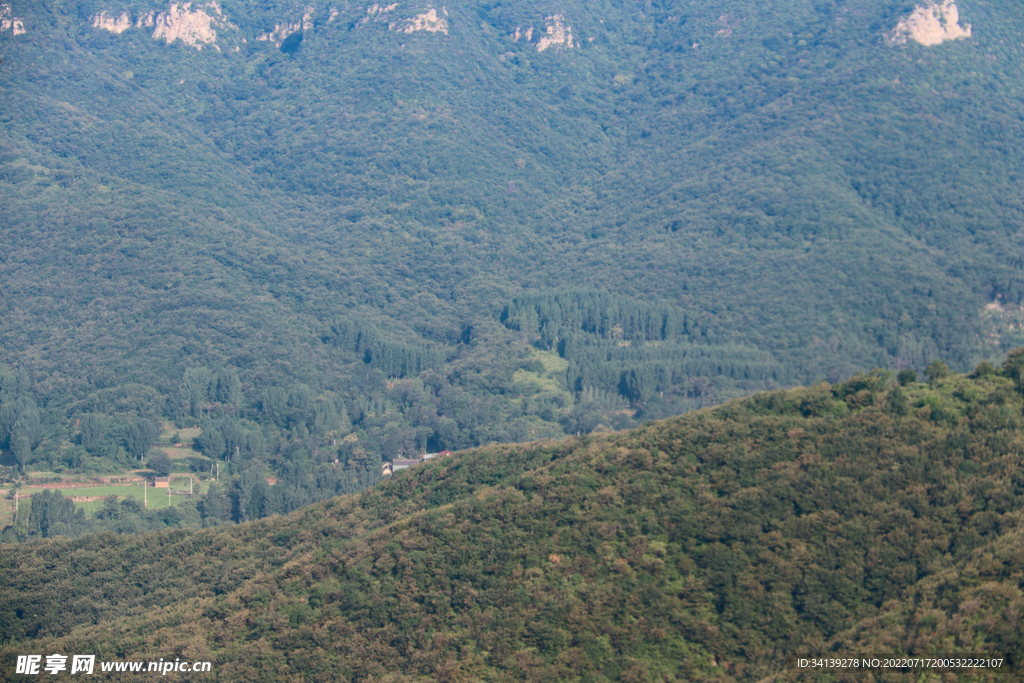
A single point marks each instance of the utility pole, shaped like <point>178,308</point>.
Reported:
<point>145,503</point>
<point>190,486</point>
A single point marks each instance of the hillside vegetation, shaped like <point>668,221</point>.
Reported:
<point>864,517</point>
<point>297,223</point>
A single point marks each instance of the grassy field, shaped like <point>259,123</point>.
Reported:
<point>6,508</point>
<point>170,436</point>
<point>88,491</point>
<point>179,453</point>
<point>543,381</point>
<point>90,498</point>
<point>153,497</point>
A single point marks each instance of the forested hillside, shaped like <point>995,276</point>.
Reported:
<point>333,233</point>
<point>868,517</point>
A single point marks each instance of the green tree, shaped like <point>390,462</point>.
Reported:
<point>93,427</point>
<point>211,442</point>
<point>21,444</point>
<point>213,507</point>
<point>906,376</point>
<point>248,495</point>
<point>896,402</point>
<point>160,463</point>
<point>984,369</point>
<point>53,515</point>
<point>936,371</point>
<point>139,437</point>
<point>229,388</point>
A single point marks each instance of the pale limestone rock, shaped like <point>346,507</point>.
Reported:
<point>111,23</point>
<point>428,21</point>
<point>379,13</point>
<point>9,22</point>
<point>280,32</point>
<point>376,12</point>
<point>520,33</point>
<point>558,34</point>
<point>193,23</point>
<point>930,24</point>
<point>190,26</point>
<point>285,29</point>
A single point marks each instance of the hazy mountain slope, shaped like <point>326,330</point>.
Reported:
<point>864,516</point>
<point>789,177</point>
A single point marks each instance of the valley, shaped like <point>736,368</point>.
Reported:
<point>715,304</point>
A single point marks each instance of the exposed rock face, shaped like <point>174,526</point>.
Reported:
<point>520,33</point>
<point>9,22</point>
<point>930,24</point>
<point>285,29</point>
<point>194,27</point>
<point>556,34</point>
<point>111,23</point>
<point>280,32</point>
<point>428,21</point>
<point>379,13</point>
<point>191,27</point>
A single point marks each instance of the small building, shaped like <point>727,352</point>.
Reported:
<point>431,456</point>
<point>386,469</point>
<point>400,464</point>
<point>161,482</point>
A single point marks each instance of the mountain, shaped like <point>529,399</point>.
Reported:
<point>335,197</point>
<point>866,518</point>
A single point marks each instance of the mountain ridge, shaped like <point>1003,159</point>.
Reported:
<point>863,517</point>
<point>188,232</point>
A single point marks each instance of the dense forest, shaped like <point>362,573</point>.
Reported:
<point>880,515</point>
<point>329,238</point>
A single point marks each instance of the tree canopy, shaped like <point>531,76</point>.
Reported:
<point>861,517</point>
<point>685,202</point>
